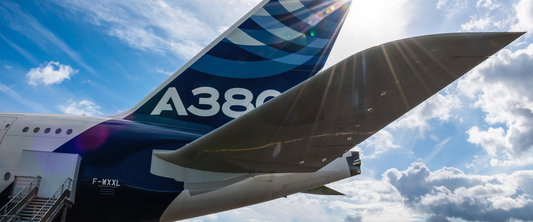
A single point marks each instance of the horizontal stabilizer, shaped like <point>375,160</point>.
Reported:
<point>323,190</point>
<point>312,124</point>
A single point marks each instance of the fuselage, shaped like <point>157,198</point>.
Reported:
<point>111,149</point>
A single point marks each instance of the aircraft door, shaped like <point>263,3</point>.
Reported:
<point>5,124</point>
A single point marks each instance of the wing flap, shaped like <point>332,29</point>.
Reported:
<point>315,122</point>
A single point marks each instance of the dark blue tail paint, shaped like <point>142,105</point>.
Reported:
<point>278,46</point>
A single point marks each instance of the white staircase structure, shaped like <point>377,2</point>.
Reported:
<point>45,189</point>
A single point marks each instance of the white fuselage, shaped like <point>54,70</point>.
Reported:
<point>15,140</point>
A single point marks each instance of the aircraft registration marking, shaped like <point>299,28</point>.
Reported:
<point>106,182</point>
<point>107,186</point>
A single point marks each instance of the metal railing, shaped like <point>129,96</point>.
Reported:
<point>67,185</point>
<point>7,211</point>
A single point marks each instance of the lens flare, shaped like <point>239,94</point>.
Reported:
<point>276,150</point>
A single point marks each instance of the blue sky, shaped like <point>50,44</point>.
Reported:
<point>463,155</point>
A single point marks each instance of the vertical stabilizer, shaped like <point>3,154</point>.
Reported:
<point>277,45</point>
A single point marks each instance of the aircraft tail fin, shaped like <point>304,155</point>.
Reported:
<point>277,45</point>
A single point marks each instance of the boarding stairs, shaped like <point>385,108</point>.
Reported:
<point>26,205</point>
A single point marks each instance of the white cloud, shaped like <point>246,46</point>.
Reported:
<point>450,193</point>
<point>163,26</point>
<point>366,200</point>
<point>8,67</point>
<point>451,7</point>
<point>355,218</point>
<point>436,107</point>
<point>516,17</point>
<point>51,73</point>
<point>469,165</point>
<point>380,143</point>
<point>491,140</point>
<point>371,200</point>
<point>408,195</point>
<point>501,88</point>
<point>487,4</point>
<point>478,24</point>
<point>84,107</point>
<point>524,15</point>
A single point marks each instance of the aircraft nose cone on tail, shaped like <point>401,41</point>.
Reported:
<point>317,121</point>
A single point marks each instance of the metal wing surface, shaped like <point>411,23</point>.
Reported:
<point>317,121</point>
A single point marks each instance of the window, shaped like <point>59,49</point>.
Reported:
<point>7,176</point>
<point>69,131</point>
<point>25,129</point>
<point>7,126</point>
<point>36,129</point>
<point>58,131</point>
<point>47,130</point>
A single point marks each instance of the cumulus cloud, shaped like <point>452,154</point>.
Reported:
<point>501,88</point>
<point>524,15</point>
<point>51,73</point>
<point>441,195</point>
<point>437,107</point>
<point>371,200</point>
<point>84,107</point>
<point>517,17</point>
<point>437,218</point>
<point>450,193</point>
<point>354,218</point>
<point>408,195</point>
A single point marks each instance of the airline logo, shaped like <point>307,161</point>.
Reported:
<point>234,97</point>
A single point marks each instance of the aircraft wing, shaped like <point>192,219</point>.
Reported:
<point>318,120</point>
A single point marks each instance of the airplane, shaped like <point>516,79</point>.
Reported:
<point>251,118</point>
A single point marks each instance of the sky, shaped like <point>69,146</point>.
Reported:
<point>466,154</point>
